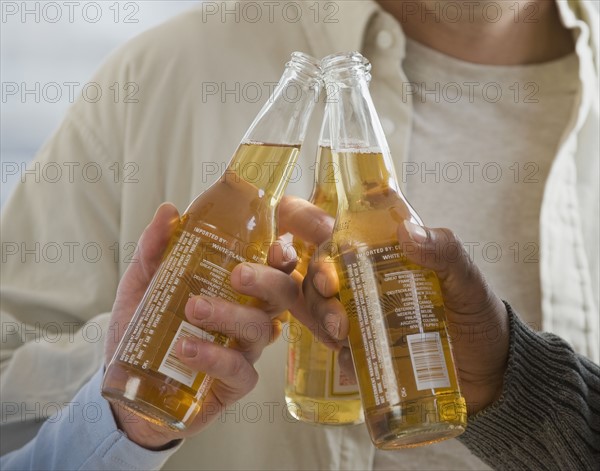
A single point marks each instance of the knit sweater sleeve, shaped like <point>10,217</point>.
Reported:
<point>548,416</point>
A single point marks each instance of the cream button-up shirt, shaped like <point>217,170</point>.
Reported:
<point>198,81</point>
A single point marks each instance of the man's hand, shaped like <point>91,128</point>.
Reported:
<point>477,318</point>
<point>232,368</point>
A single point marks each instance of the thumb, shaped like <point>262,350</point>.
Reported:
<point>150,249</point>
<point>146,260</point>
<point>463,285</point>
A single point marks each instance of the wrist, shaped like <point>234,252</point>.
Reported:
<point>142,432</point>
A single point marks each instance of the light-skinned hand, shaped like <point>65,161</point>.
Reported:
<point>232,368</point>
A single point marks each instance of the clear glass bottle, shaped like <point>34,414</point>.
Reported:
<point>233,221</point>
<point>317,390</point>
<point>398,335</point>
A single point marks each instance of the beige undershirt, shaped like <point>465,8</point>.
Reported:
<point>491,159</point>
<point>477,164</point>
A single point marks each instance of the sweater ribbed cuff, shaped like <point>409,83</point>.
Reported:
<point>542,420</point>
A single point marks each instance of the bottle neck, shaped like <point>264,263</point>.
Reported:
<point>358,143</point>
<point>324,194</point>
<point>284,118</point>
<point>267,167</point>
<point>267,154</point>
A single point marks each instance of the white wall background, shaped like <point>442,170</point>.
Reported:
<point>44,44</point>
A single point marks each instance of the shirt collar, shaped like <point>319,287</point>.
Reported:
<point>576,15</point>
<point>341,26</point>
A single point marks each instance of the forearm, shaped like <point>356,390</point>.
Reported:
<point>548,416</point>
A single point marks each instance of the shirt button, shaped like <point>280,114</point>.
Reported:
<point>384,39</point>
<point>388,125</point>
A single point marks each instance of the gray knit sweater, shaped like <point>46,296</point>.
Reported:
<point>548,416</point>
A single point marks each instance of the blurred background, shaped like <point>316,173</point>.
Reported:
<point>48,52</point>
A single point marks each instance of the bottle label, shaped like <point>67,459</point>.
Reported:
<point>199,262</point>
<point>313,369</point>
<point>171,366</point>
<point>427,358</point>
<point>340,384</point>
<point>397,325</point>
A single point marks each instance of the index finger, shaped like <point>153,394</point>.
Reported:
<point>304,220</point>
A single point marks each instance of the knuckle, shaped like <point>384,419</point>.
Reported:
<point>210,358</point>
<point>266,325</point>
<point>471,272</point>
<point>269,298</point>
<point>252,380</point>
<point>321,225</point>
<point>213,325</point>
<point>238,369</point>
<point>448,236</point>
<point>279,292</point>
<point>253,334</point>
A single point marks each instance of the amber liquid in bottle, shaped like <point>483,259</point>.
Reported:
<point>317,390</point>
<point>232,222</point>
<point>398,335</point>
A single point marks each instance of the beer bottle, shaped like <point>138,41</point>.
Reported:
<point>317,390</point>
<point>233,221</point>
<point>398,335</point>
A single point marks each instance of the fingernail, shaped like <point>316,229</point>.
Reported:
<point>289,253</point>
<point>332,325</point>
<point>189,348</point>
<point>202,309</point>
<point>320,280</point>
<point>417,233</point>
<point>247,275</point>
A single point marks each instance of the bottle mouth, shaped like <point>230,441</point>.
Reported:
<point>306,65</point>
<point>351,63</point>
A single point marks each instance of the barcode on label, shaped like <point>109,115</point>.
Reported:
<point>171,366</point>
<point>427,358</point>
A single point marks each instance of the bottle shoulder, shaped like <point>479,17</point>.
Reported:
<point>234,208</point>
<point>373,218</point>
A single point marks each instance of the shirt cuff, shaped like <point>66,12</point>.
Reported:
<point>115,449</point>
